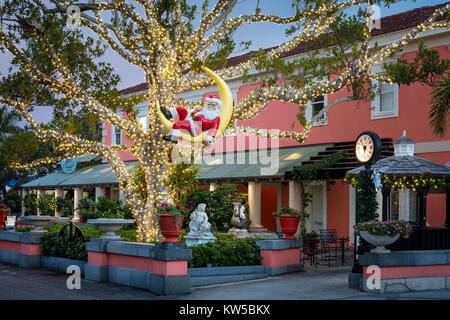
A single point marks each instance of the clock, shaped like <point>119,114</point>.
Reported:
<point>368,147</point>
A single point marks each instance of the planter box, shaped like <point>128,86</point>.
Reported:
<point>281,256</point>
<point>404,271</point>
<point>160,268</point>
<point>61,264</point>
<point>21,248</point>
<point>217,275</point>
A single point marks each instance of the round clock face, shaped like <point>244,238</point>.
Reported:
<point>364,148</point>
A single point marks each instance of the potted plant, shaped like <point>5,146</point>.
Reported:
<point>86,205</point>
<point>170,221</point>
<point>289,219</point>
<point>382,233</point>
<point>109,216</point>
<point>47,205</point>
<point>63,206</point>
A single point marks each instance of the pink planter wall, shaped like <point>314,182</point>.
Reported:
<point>276,258</point>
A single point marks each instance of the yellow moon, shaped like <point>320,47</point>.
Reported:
<point>225,114</point>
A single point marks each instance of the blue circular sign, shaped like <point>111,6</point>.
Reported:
<point>68,165</point>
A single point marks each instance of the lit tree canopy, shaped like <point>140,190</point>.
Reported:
<point>57,65</point>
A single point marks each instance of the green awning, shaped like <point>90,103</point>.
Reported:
<point>228,167</point>
<point>246,165</point>
<point>100,175</point>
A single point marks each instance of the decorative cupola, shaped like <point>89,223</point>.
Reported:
<point>404,146</point>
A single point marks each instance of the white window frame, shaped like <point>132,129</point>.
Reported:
<point>114,132</point>
<point>309,112</point>
<point>376,102</point>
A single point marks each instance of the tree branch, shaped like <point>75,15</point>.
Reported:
<point>76,143</point>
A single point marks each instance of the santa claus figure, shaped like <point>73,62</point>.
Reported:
<point>201,118</point>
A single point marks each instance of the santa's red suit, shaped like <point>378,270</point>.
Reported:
<point>196,121</point>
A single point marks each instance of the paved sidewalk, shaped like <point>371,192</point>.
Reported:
<point>322,283</point>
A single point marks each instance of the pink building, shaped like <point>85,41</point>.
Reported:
<point>395,109</point>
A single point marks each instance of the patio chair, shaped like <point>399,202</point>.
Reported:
<point>328,244</point>
<point>311,249</point>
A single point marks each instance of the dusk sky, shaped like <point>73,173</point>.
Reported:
<point>262,35</point>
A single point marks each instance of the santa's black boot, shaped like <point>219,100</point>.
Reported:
<point>168,138</point>
<point>166,114</point>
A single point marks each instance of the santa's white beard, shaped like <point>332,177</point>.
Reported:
<point>210,114</point>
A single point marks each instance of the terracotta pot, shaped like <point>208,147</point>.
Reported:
<point>3,214</point>
<point>289,225</point>
<point>170,228</point>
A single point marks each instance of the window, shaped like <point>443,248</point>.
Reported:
<point>317,106</point>
<point>385,103</point>
<point>403,206</point>
<point>314,107</point>
<point>395,210</point>
<point>116,135</point>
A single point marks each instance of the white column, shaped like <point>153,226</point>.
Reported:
<point>39,193</point>
<point>213,186</point>
<point>59,193</point>
<point>122,197</point>
<point>254,203</point>
<point>77,196</point>
<point>294,195</point>
<point>99,191</point>
<point>24,194</point>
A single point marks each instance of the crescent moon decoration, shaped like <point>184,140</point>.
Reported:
<point>225,114</point>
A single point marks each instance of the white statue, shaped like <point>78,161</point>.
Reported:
<point>199,225</point>
<point>238,219</point>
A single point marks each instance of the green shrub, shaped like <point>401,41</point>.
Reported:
<point>14,202</point>
<point>54,245</point>
<point>226,251</point>
<point>182,234</point>
<point>24,229</point>
<point>47,204</point>
<point>104,208</point>
<point>30,202</point>
<point>88,231</point>
<point>65,205</point>
<point>288,211</point>
<point>128,234</point>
